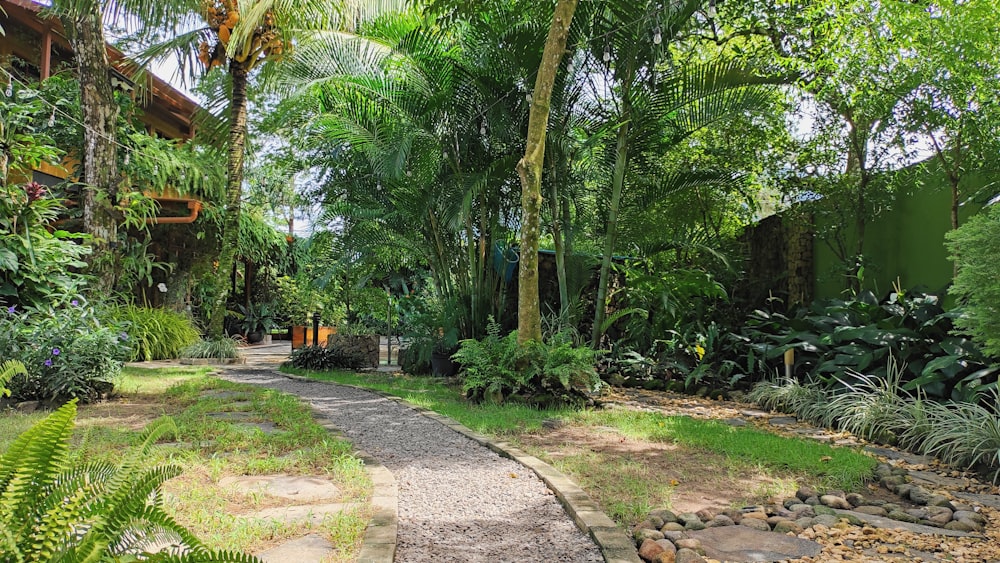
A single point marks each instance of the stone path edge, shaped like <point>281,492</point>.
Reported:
<point>379,542</point>
<point>615,545</point>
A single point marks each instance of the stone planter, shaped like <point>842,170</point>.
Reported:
<point>443,366</point>
<point>366,345</point>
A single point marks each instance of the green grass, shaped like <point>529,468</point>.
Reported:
<point>444,397</point>
<point>135,380</point>
<point>208,448</point>
<point>840,468</point>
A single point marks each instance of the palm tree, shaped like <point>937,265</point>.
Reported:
<point>427,158</point>
<point>655,105</point>
<point>238,37</point>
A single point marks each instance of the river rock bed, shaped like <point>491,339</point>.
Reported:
<point>863,525</point>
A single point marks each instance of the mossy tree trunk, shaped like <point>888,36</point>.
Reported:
<point>529,168</point>
<point>234,195</point>
<point>100,118</point>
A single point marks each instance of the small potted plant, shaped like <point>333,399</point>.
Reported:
<point>256,321</point>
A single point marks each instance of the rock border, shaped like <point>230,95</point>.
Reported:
<point>615,545</point>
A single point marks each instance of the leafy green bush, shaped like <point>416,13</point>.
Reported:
<point>496,368</point>
<point>318,358</point>
<point>37,267</point>
<point>975,247</point>
<point>153,333</point>
<point>221,349</point>
<point>54,510</point>
<point>67,351</point>
<point>834,336</point>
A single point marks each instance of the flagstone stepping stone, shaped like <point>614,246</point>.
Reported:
<point>265,427</point>
<point>298,488</point>
<point>734,421</point>
<point>912,459</point>
<point>307,549</point>
<point>314,513</point>
<point>987,500</point>
<point>782,420</point>
<point>883,522</point>
<point>938,480</point>
<point>741,543</point>
<point>222,394</point>
<point>231,416</point>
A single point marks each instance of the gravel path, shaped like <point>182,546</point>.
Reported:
<point>458,501</point>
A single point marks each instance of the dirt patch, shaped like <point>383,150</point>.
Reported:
<point>691,479</point>
<point>133,413</point>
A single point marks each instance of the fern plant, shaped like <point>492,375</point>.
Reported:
<point>54,510</point>
<point>8,370</point>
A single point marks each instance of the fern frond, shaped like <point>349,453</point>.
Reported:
<point>33,460</point>
<point>8,370</point>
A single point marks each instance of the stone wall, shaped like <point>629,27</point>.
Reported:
<point>779,260</point>
<point>366,346</point>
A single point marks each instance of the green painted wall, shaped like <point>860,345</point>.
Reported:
<point>906,241</point>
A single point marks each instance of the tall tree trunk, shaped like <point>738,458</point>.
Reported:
<point>611,237</point>
<point>234,194</point>
<point>529,168</point>
<point>557,238</point>
<point>100,118</point>
<point>617,187</point>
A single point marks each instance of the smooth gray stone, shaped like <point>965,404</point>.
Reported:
<point>740,543</point>
<point>306,548</point>
<point>882,522</point>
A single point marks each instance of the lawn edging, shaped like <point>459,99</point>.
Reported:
<point>379,542</point>
<point>615,545</point>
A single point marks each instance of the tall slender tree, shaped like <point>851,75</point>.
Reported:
<point>84,24</point>
<point>529,321</point>
<point>238,37</point>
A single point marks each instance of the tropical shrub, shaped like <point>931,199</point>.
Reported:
<point>319,358</point>
<point>68,352</point>
<point>221,349</point>
<point>974,247</point>
<point>52,509</point>
<point>37,266</point>
<point>833,336</point>
<point>496,368</point>
<point>154,333</point>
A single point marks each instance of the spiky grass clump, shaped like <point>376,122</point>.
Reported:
<point>154,333</point>
<point>963,434</point>
<point>787,395</point>
<point>222,349</point>
<point>871,407</point>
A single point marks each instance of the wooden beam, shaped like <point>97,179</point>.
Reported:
<point>45,57</point>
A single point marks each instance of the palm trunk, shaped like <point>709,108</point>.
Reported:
<point>557,238</point>
<point>100,120</point>
<point>234,193</point>
<point>610,238</point>
<point>617,186</point>
<point>529,318</point>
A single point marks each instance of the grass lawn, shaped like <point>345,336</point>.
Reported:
<point>208,449</point>
<point>632,461</point>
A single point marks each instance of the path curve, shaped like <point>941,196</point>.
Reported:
<point>458,501</point>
